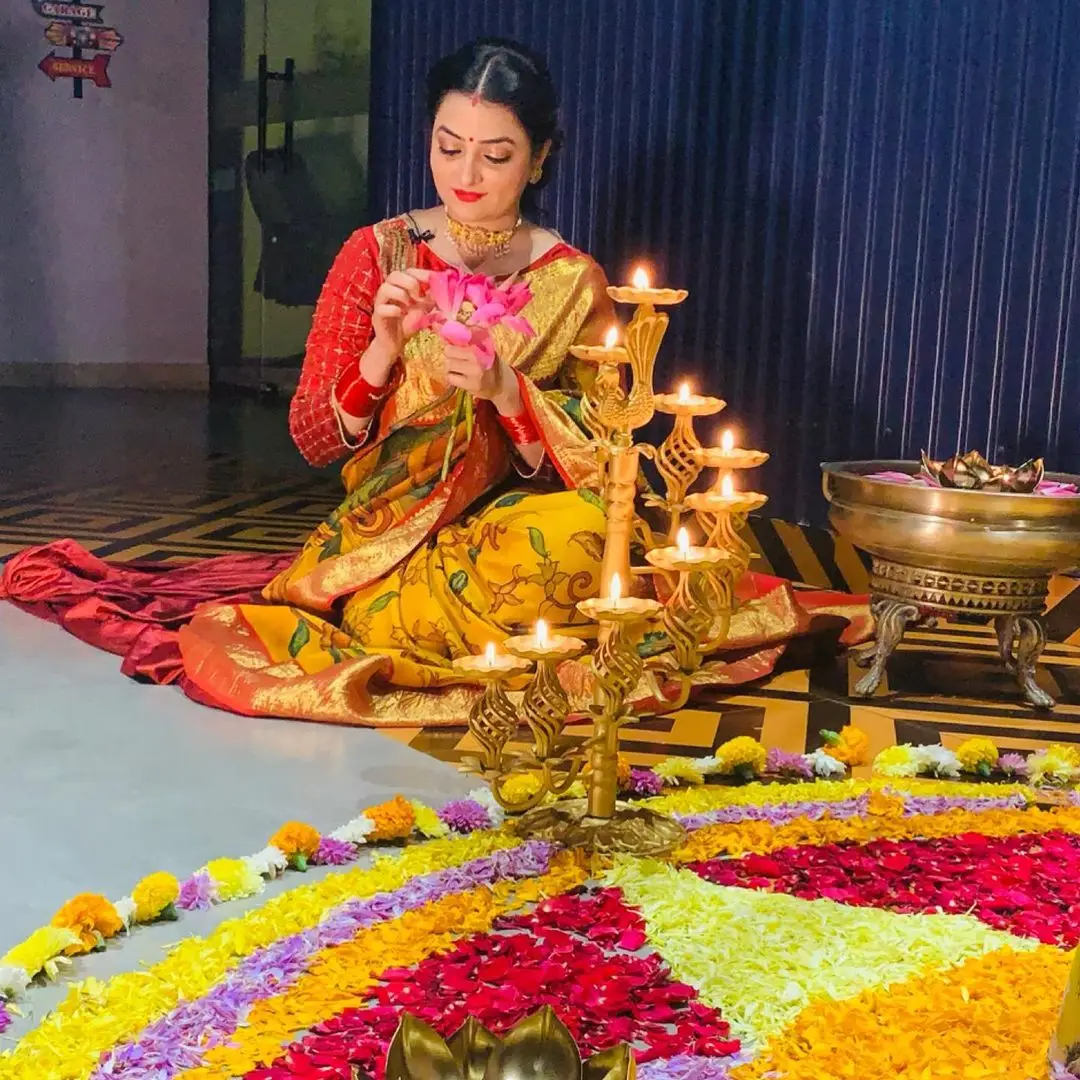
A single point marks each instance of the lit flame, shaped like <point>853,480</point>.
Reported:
<point>616,588</point>
<point>611,338</point>
<point>684,394</point>
<point>489,654</point>
<point>727,487</point>
<point>682,542</point>
<point>640,279</point>
<point>542,633</point>
<point>727,441</point>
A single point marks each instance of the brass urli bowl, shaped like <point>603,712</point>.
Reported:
<point>949,551</point>
<point>951,529</point>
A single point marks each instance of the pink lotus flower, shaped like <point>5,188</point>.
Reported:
<point>465,307</point>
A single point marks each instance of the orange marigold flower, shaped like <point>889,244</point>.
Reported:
<point>850,745</point>
<point>90,916</point>
<point>296,838</point>
<point>392,820</point>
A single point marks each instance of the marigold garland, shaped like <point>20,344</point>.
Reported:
<point>295,844</point>
<point>988,1019</point>
<point>95,1016</point>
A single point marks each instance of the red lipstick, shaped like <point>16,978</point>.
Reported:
<point>467,196</point>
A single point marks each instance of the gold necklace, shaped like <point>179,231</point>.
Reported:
<point>480,243</point>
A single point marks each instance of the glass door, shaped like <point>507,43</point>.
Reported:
<point>289,147</point>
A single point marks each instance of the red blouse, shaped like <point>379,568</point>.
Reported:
<point>341,331</point>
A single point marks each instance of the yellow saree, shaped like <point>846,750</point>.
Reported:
<point>410,572</point>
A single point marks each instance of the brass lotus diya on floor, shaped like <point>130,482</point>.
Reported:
<point>961,537</point>
<point>538,1048</point>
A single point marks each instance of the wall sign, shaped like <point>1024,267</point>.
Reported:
<point>78,27</point>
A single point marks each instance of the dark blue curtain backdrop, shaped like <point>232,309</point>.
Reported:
<point>874,204</point>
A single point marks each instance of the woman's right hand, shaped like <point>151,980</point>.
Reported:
<point>403,293</point>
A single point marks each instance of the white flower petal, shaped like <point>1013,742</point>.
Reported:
<point>824,764</point>
<point>125,908</point>
<point>355,831</point>
<point>484,797</point>
<point>13,980</point>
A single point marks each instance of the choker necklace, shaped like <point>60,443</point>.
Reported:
<point>477,242</point>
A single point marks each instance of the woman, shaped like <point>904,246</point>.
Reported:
<point>434,552</point>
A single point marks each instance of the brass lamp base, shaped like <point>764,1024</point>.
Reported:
<point>633,830</point>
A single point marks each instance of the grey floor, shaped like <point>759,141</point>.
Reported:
<point>103,780</point>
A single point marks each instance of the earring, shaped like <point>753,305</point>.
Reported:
<point>536,174</point>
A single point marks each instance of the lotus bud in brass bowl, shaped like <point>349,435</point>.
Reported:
<point>538,1048</point>
<point>972,472</point>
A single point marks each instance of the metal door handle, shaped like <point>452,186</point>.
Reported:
<point>288,76</point>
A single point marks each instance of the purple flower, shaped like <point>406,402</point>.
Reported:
<point>644,782</point>
<point>785,763</point>
<point>198,893</point>
<point>5,1018</point>
<point>690,1067</point>
<point>333,852</point>
<point>1013,764</point>
<point>465,816</point>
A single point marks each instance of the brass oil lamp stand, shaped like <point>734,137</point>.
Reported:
<point>694,585</point>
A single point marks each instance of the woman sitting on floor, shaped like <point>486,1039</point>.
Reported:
<point>414,568</point>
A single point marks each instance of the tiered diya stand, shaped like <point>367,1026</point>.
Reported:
<point>696,584</point>
<point>941,551</point>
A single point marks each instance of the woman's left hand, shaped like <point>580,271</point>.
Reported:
<point>496,384</point>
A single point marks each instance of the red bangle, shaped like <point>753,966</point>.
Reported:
<point>520,428</point>
<point>357,397</point>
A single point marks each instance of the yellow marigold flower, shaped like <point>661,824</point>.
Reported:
<point>92,918</point>
<point>977,755</point>
<point>39,951</point>
<point>897,761</point>
<point>850,745</point>
<point>153,895</point>
<point>234,878</point>
<point>741,754</point>
<point>676,769</point>
<point>392,820</point>
<point>295,838</point>
<point>428,823</point>
<point>516,789</point>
